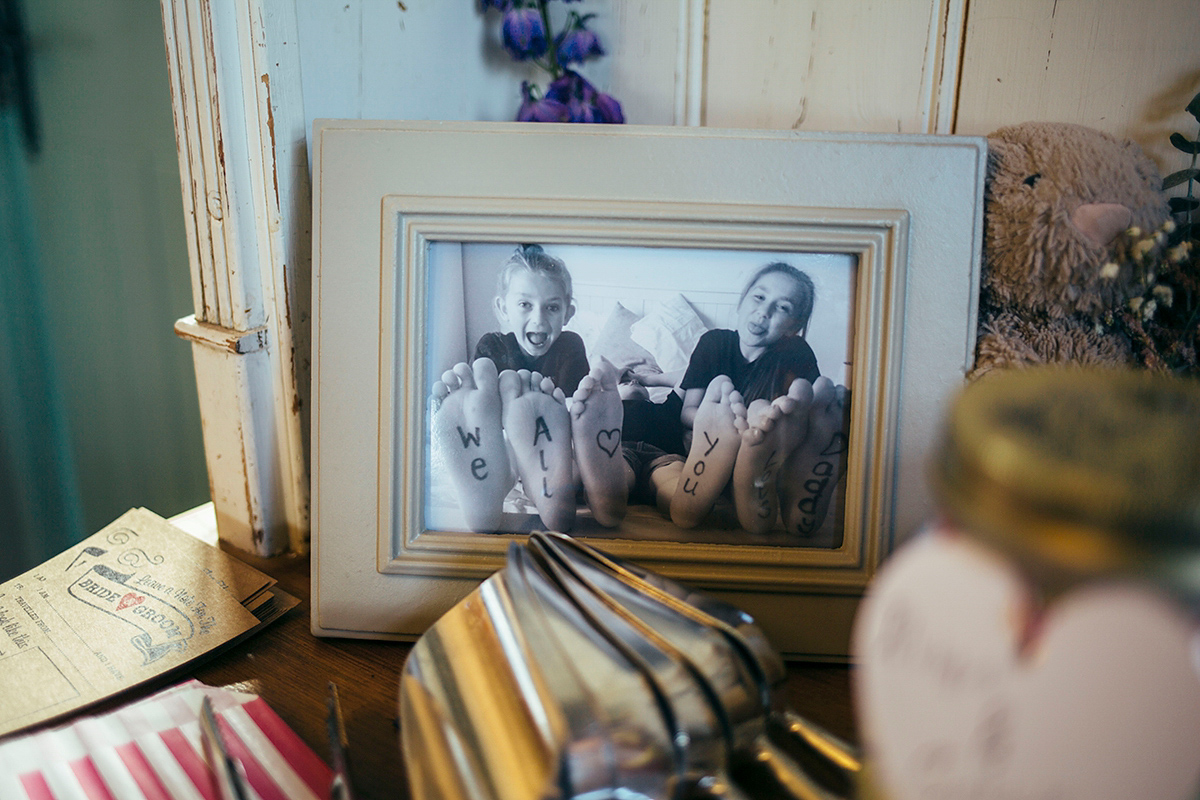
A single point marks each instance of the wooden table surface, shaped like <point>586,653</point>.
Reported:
<point>290,668</point>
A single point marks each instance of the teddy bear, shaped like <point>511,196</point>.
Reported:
<point>1057,197</point>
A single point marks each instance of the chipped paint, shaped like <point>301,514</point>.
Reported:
<point>265,78</point>
<point>256,532</point>
<point>1050,48</point>
<point>287,298</point>
<point>220,338</point>
<point>803,113</point>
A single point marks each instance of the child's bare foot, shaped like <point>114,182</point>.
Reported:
<point>596,415</point>
<point>539,433</point>
<point>755,466</point>
<point>716,435</point>
<point>466,432</point>
<point>811,473</point>
<point>793,422</point>
<point>773,431</point>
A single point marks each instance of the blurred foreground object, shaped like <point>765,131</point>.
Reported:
<point>1039,639</point>
<point>568,674</point>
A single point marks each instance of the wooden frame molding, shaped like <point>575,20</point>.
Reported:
<point>234,70</point>
<point>384,567</point>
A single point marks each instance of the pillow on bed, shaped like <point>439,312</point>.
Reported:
<point>670,332</point>
<point>614,343</point>
<point>587,324</point>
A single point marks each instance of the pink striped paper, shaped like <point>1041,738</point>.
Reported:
<point>153,747</point>
<point>143,774</point>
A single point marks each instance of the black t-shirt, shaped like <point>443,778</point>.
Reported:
<point>565,362</point>
<point>719,353</point>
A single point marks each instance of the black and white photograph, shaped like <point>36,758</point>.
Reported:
<point>729,375</point>
<point>649,393</point>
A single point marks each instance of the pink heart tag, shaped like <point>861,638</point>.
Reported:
<point>965,688</point>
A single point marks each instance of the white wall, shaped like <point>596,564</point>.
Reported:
<point>469,272</point>
<point>1124,66</point>
<point>909,66</point>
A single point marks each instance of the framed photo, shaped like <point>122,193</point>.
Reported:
<point>643,309</point>
<point>653,248</point>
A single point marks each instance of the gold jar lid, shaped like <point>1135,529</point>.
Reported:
<point>1079,473</point>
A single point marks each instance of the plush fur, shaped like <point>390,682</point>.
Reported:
<point>1057,196</point>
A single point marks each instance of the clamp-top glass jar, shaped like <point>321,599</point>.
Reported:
<point>1041,639</point>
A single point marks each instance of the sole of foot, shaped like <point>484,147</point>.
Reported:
<point>811,473</point>
<point>467,432</point>
<point>716,436</point>
<point>539,434</point>
<point>596,416</point>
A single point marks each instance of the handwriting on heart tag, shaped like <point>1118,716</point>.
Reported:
<point>612,438</point>
<point>964,693</point>
<point>130,599</point>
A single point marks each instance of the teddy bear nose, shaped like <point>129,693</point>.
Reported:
<point>1101,222</point>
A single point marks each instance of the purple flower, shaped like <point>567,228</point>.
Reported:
<point>502,5</point>
<point>582,101</point>
<point>524,34</point>
<point>543,110</point>
<point>576,45</point>
<point>608,109</point>
<point>570,86</point>
<point>562,89</point>
<point>579,111</point>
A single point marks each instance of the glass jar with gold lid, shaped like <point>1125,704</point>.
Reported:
<point>1040,638</point>
<point>1079,474</point>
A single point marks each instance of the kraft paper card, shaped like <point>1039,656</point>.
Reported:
<point>125,605</point>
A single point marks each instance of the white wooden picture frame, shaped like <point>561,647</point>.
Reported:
<point>906,209</point>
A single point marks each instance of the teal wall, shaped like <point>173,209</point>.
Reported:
<point>113,255</point>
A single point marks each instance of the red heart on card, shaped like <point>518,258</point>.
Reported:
<point>130,599</point>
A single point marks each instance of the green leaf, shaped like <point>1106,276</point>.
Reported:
<point>1183,176</point>
<point>1193,107</point>
<point>1181,204</point>
<point>1186,145</point>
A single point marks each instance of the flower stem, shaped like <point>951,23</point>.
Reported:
<point>554,69</point>
<point>1191,211</point>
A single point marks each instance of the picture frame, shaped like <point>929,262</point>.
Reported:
<point>905,210</point>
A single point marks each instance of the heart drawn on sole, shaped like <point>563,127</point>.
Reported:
<point>130,599</point>
<point>966,689</point>
<point>613,439</point>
